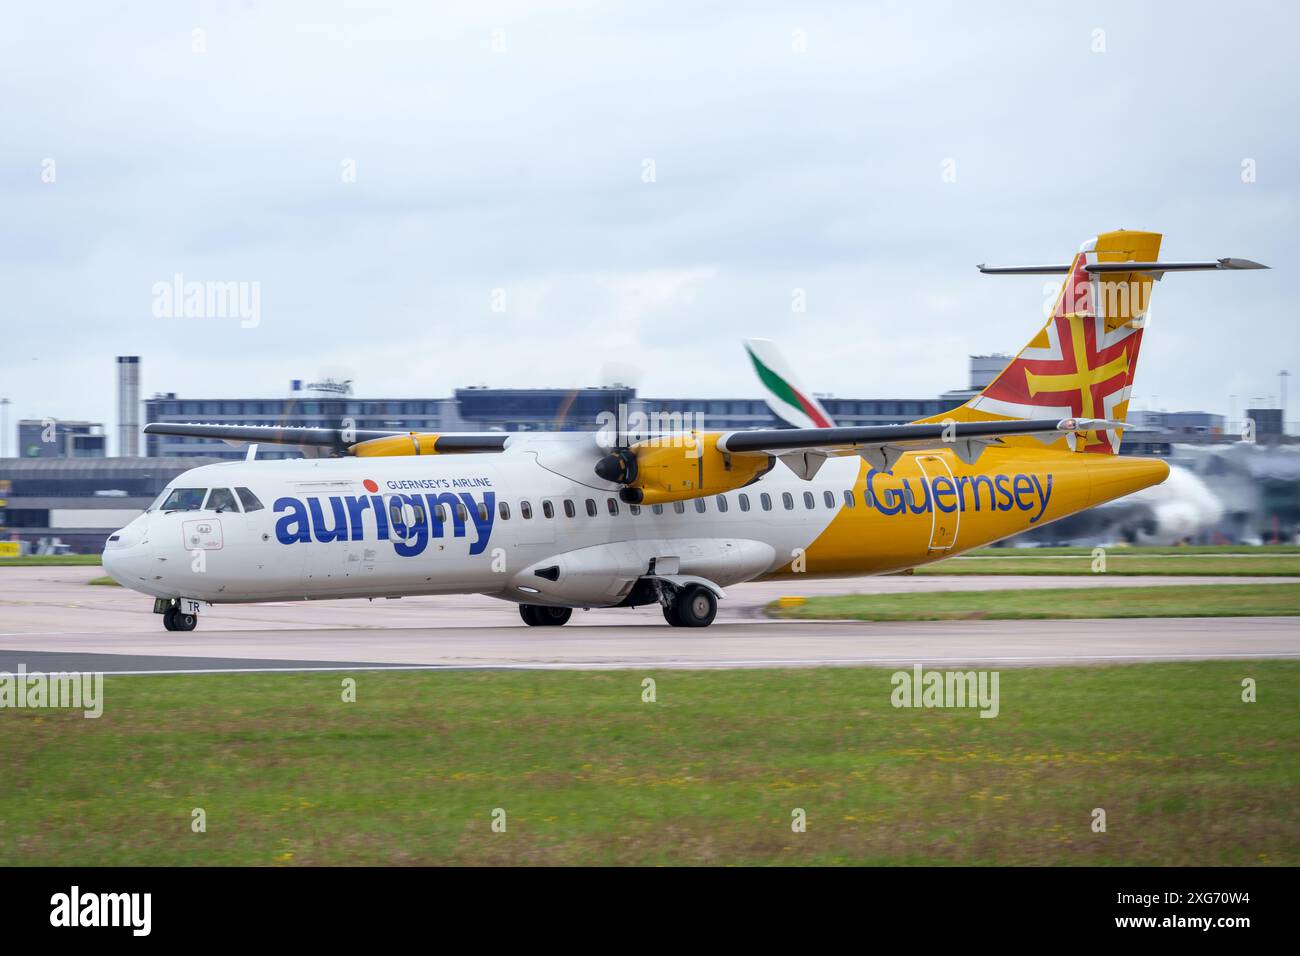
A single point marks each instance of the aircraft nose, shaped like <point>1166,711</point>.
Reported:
<point>121,557</point>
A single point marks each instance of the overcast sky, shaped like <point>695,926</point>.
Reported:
<point>505,147</point>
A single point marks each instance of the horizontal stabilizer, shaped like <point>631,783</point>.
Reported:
<point>1156,269</point>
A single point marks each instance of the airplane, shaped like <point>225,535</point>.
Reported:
<point>630,516</point>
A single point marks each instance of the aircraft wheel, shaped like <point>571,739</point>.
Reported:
<point>695,606</point>
<point>536,615</point>
<point>174,620</point>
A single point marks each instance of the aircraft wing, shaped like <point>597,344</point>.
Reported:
<point>337,440</point>
<point>805,449</point>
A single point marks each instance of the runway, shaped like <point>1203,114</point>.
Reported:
<point>53,620</point>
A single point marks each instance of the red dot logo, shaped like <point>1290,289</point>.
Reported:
<point>370,486</point>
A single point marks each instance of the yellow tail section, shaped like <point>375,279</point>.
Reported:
<point>1082,361</point>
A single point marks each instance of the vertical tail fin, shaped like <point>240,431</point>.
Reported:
<point>787,399</point>
<point>1082,362</point>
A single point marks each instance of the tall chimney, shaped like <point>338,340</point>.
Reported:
<point>128,406</point>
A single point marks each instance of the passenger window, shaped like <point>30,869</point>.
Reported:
<point>744,501</point>
<point>184,499</point>
<point>440,514</point>
<point>612,505</point>
<point>907,496</point>
<point>569,510</point>
<point>829,496</point>
<point>525,510</point>
<point>419,514</point>
<point>701,505</point>
<point>766,501</point>
<point>548,509</point>
<point>849,500</point>
<point>249,500</point>
<point>395,515</point>
<point>679,507</point>
<point>635,509</point>
<point>808,501</point>
<point>222,499</point>
<point>482,511</point>
<point>788,500</point>
<point>657,509</point>
<point>722,502</point>
<point>591,508</point>
<point>504,510</point>
<point>868,499</point>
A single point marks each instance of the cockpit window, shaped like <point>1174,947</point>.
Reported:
<point>222,499</point>
<point>249,499</point>
<point>157,502</point>
<point>184,499</point>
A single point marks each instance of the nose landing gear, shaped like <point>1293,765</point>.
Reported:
<point>178,615</point>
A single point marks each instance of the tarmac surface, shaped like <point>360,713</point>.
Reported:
<point>51,619</point>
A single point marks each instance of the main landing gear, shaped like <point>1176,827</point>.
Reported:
<point>539,615</point>
<point>691,606</point>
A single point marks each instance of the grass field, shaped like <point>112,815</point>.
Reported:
<point>1195,600</point>
<point>51,561</point>
<point>587,773</point>
<point>1121,563</point>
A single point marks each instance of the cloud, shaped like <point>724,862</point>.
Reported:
<point>522,170</point>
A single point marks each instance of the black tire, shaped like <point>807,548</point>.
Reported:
<point>539,615</point>
<point>174,620</point>
<point>696,606</point>
<point>554,616</point>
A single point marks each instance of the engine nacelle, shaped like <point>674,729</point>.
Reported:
<point>413,443</point>
<point>680,466</point>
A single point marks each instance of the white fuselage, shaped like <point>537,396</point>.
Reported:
<point>390,526</point>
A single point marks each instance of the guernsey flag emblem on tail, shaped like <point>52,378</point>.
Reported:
<point>1081,363</point>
